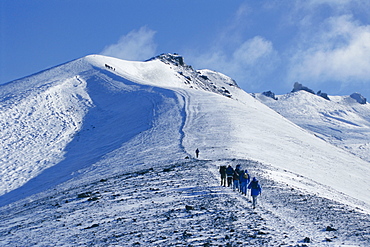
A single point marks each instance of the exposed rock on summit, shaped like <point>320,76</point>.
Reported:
<point>270,95</point>
<point>324,95</point>
<point>199,79</point>
<point>359,98</point>
<point>169,58</point>
<point>298,87</point>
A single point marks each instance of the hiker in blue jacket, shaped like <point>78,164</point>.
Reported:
<point>256,190</point>
<point>244,181</point>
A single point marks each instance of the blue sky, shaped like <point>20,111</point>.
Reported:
<point>263,45</point>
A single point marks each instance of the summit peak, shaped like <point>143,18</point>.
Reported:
<point>170,58</point>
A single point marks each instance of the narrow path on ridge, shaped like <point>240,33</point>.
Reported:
<point>179,204</point>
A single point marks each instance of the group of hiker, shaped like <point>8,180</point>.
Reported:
<point>240,181</point>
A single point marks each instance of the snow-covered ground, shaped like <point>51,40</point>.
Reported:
<point>100,152</point>
<point>170,206</point>
<point>341,120</point>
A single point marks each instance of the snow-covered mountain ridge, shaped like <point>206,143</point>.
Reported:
<point>105,128</point>
<point>44,113</point>
<point>52,110</point>
<point>341,120</point>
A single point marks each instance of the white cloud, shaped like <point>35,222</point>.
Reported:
<point>340,51</point>
<point>252,51</point>
<point>248,63</point>
<point>136,45</point>
<point>336,3</point>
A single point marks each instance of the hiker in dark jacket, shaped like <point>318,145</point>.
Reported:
<point>236,180</point>
<point>223,175</point>
<point>197,152</point>
<point>229,174</point>
<point>256,190</point>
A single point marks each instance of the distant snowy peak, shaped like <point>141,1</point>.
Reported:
<point>343,121</point>
<point>297,87</point>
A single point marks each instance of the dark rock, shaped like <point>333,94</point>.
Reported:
<point>94,225</point>
<point>324,95</point>
<point>174,59</point>
<point>306,240</point>
<point>186,234</point>
<point>330,229</point>
<point>298,87</point>
<point>167,169</point>
<point>84,195</point>
<point>204,77</point>
<point>270,95</point>
<point>95,198</point>
<point>359,98</point>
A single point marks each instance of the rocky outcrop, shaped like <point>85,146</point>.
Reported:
<point>298,87</point>
<point>324,95</point>
<point>198,79</point>
<point>359,98</point>
<point>270,95</point>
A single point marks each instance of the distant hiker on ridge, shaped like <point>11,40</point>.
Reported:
<point>197,152</point>
<point>229,174</point>
<point>255,190</point>
<point>223,175</point>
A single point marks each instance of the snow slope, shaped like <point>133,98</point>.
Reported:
<point>341,121</point>
<point>99,119</point>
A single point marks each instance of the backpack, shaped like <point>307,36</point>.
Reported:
<point>246,176</point>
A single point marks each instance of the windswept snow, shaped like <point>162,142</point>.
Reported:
<point>100,151</point>
<point>341,121</point>
<point>170,206</point>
